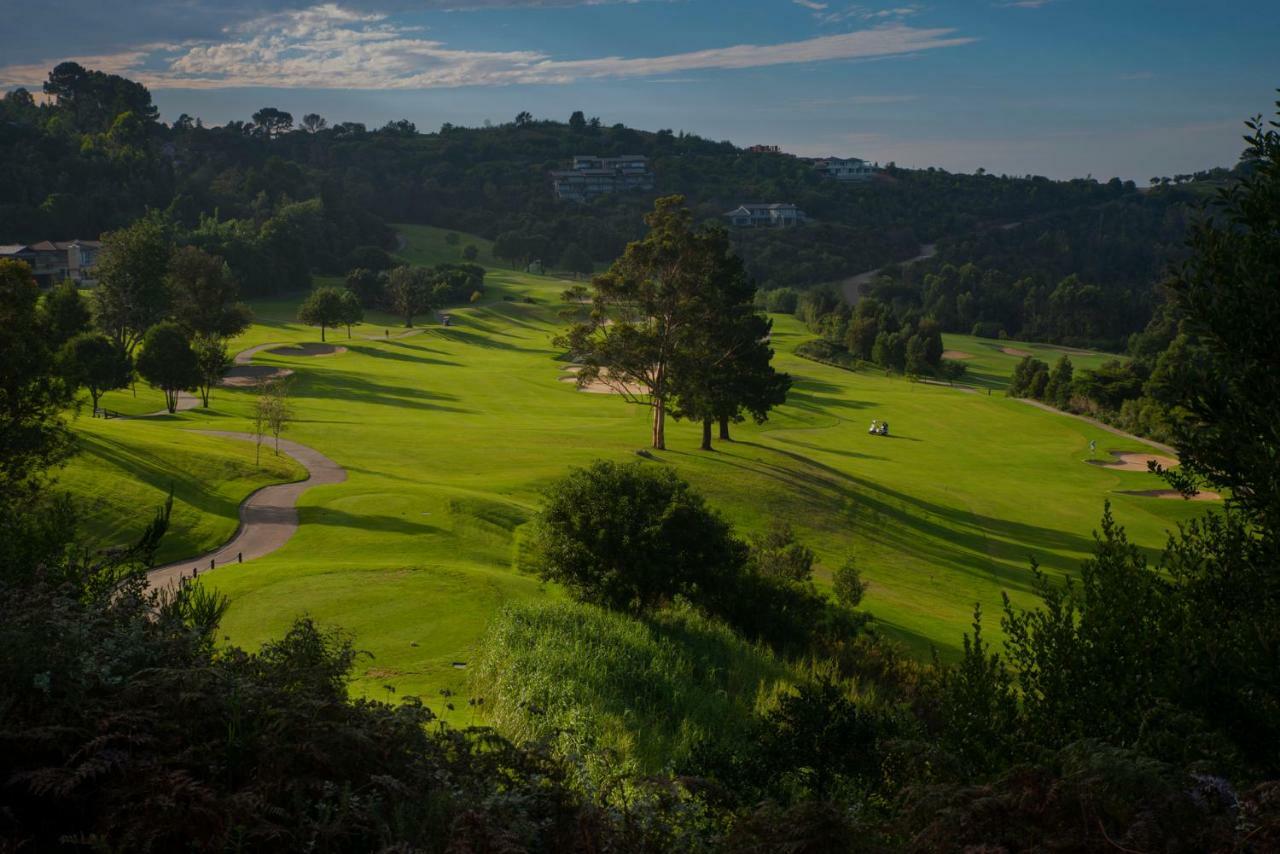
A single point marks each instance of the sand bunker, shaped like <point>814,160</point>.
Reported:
<point>599,386</point>
<point>1014,351</point>
<point>247,376</point>
<point>308,350</point>
<point>958,355</point>
<point>1123,461</point>
<point>1202,495</point>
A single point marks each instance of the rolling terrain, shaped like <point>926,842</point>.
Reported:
<point>449,436</point>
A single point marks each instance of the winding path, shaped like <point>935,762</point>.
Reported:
<point>852,286</point>
<point>268,517</point>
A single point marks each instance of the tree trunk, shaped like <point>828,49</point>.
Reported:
<point>706,434</point>
<point>171,400</point>
<point>724,429</point>
<point>322,332</point>
<point>659,425</point>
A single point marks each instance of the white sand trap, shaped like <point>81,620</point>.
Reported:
<point>958,355</point>
<point>1202,495</point>
<point>1125,461</point>
<point>247,376</point>
<point>598,386</point>
<point>1014,351</point>
<point>308,350</point>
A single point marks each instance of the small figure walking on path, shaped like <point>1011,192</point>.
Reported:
<point>239,557</point>
<point>1093,447</point>
<point>386,333</point>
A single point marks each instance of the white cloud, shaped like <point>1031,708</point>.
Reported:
<point>810,4</point>
<point>863,13</point>
<point>1025,4</point>
<point>331,47</point>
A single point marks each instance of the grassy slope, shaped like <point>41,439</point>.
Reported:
<point>650,690</point>
<point>991,367</point>
<point>449,436</point>
<point>126,468</point>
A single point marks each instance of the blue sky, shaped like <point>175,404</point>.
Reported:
<point>1051,87</point>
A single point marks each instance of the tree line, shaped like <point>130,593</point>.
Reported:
<point>273,197</point>
<point>160,312</point>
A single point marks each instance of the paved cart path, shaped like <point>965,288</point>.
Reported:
<point>268,517</point>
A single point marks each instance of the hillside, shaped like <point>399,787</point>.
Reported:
<point>449,436</point>
<point>280,204</point>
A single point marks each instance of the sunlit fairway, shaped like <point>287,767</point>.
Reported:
<point>990,362</point>
<point>449,436</point>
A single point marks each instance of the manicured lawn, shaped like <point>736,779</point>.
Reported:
<point>991,362</point>
<point>449,437</point>
<point>126,469</point>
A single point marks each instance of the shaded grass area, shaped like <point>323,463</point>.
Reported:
<point>594,682</point>
<point>125,470</point>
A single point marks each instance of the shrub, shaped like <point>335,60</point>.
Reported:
<point>847,583</point>
<point>630,537</point>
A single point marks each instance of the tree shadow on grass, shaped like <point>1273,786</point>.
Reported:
<point>463,337</point>
<point>968,542</point>
<point>826,450</point>
<point>333,517</point>
<point>823,404</point>
<point>146,468</point>
<point>359,388</point>
<point>393,355</point>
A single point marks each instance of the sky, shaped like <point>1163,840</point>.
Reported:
<point>1063,88</point>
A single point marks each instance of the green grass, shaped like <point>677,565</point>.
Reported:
<point>427,246</point>
<point>990,366</point>
<point>126,468</point>
<point>450,436</point>
<point>590,680</point>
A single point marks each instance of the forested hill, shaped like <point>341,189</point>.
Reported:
<point>96,158</point>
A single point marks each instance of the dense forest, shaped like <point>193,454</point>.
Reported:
<point>95,157</point>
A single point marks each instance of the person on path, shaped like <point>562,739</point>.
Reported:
<point>873,429</point>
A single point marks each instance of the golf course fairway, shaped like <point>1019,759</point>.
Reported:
<point>449,436</point>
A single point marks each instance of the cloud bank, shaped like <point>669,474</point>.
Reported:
<point>337,47</point>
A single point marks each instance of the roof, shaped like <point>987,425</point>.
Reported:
<point>43,246</point>
<point>12,248</point>
<point>776,206</point>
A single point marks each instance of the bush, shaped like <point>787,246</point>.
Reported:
<point>631,537</point>
<point>847,583</point>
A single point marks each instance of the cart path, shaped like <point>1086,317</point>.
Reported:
<point>1101,425</point>
<point>268,517</point>
<point>852,286</point>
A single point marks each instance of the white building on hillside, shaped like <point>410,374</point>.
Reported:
<point>845,168</point>
<point>775,215</point>
<point>594,176</point>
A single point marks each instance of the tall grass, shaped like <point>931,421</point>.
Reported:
<point>617,692</point>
